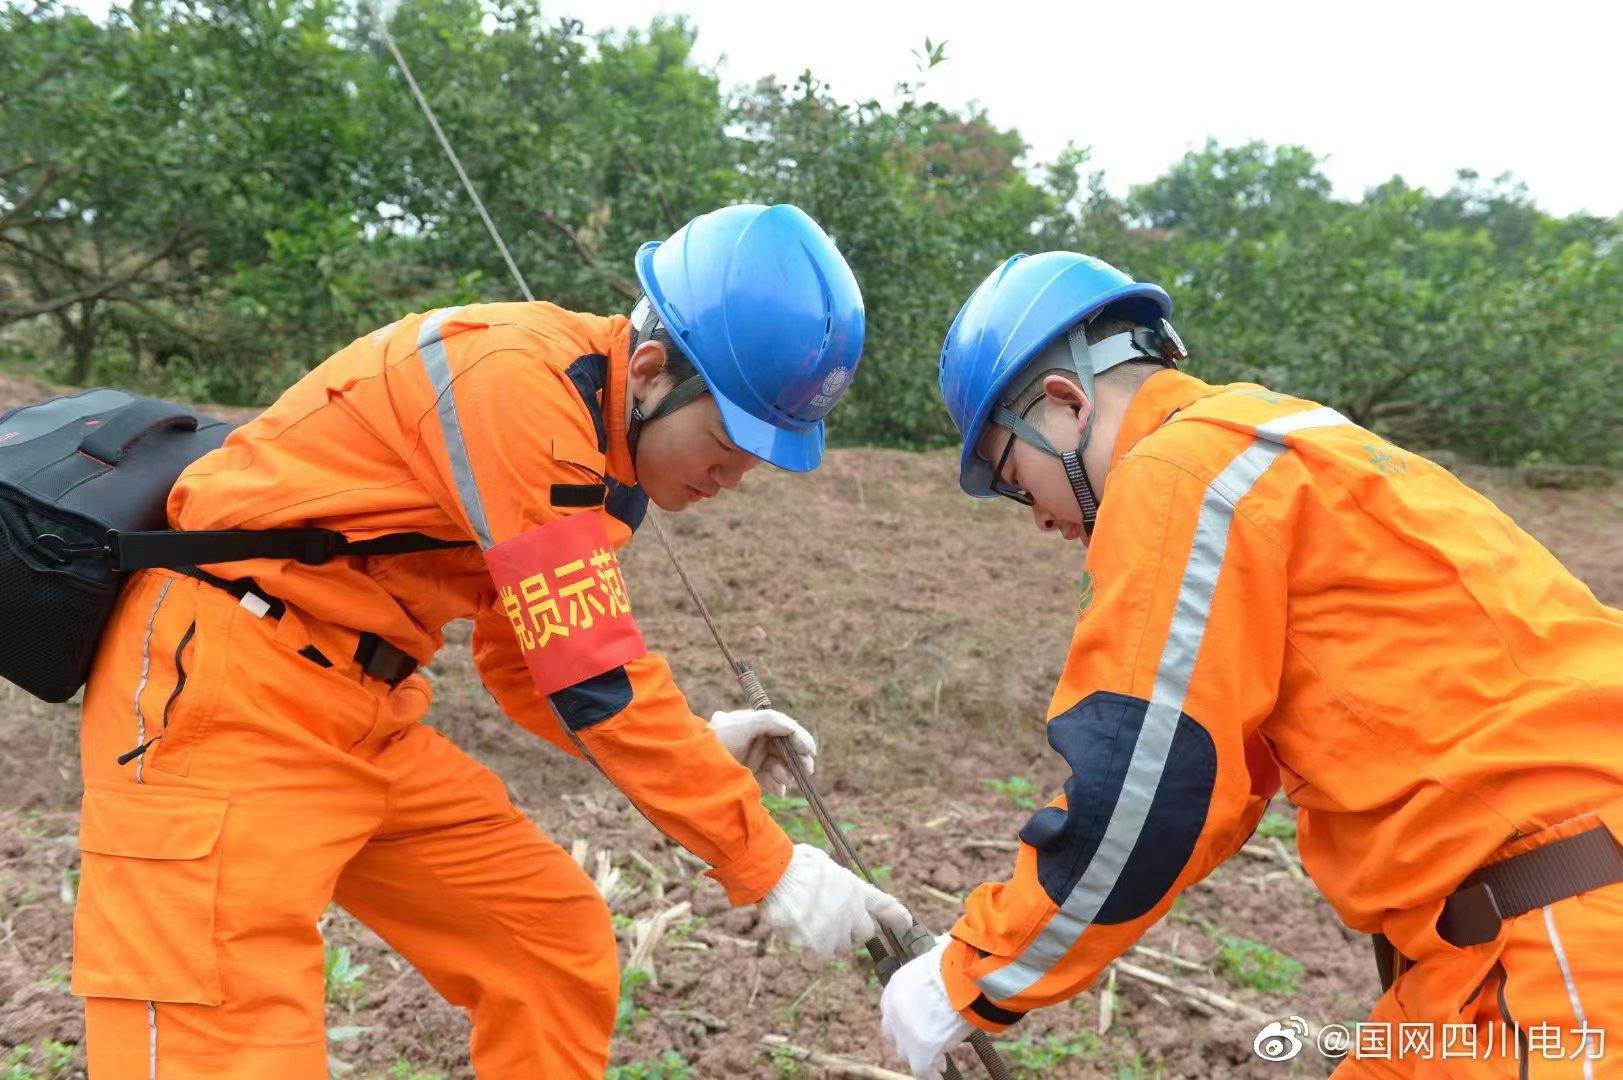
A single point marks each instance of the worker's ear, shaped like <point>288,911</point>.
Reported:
<point>1062,391</point>
<point>646,367</point>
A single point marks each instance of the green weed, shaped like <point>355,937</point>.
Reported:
<point>1135,1069</point>
<point>1276,827</point>
<point>1031,1060</point>
<point>52,1061</point>
<point>669,1066</point>
<point>342,978</point>
<point>785,1065</point>
<point>789,811</point>
<point>684,929</point>
<point>628,1013</point>
<point>1017,789</point>
<point>1251,963</point>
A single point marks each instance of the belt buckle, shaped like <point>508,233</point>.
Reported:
<point>1470,917</point>
<point>383,661</point>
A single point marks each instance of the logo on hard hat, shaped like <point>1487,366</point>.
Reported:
<point>833,383</point>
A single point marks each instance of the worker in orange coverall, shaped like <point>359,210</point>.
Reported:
<point>253,746</point>
<point>1272,593</point>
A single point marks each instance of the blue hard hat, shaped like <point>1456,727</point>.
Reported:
<point>763,304</point>
<point>1021,307</point>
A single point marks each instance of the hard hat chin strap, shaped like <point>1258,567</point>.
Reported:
<point>680,394</point>
<point>644,322</point>
<point>1074,353</point>
<point>1086,500</point>
<point>1081,487</point>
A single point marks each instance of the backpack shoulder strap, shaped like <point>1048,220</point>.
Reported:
<point>142,550</point>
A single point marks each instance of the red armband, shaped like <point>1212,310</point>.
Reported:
<point>560,586</point>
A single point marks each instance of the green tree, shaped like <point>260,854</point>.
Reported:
<point>923,203</point>
<point>210,197</point>
<point>582,148</point>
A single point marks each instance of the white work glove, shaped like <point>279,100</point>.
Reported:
<point>747,734</point>
<point>916,1017</point>
<point>825,909</point>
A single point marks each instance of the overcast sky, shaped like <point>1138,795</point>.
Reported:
<point>1420,88</point>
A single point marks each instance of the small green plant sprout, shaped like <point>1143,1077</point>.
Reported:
<point>668,1066</point>
<point>52,1061</point>
<point>405,1070</point>
<point>628,1013</point>
<point>784,1064</point>
<point>1032,1059</point>
<point>342,978</point>
<point>789,811</point>
<point>1255,965</point>
<point>1017,789</point>
<point>1276,827</point>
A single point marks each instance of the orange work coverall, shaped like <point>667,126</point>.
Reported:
<point>1273,593</point>
<point>284,777</point>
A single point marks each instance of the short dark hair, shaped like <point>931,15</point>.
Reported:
<point>1122,316</point>
<point>1115,319</point>
<point>1119,319</point>
<point>677,364</point>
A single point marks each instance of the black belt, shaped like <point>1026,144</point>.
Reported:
<point>1533,879</point>
<point>373,655</point>
<point>1487,898</point>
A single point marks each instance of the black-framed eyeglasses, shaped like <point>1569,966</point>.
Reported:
<point>1003,487</point>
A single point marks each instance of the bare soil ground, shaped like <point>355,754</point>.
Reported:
<point>919,634</point>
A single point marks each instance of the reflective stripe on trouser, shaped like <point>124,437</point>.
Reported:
<point>277,786</point>
<point>1555,975</point>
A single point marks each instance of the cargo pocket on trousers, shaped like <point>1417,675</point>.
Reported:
<point>144,924</point>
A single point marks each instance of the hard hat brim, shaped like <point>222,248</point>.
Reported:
<point>794,451</point>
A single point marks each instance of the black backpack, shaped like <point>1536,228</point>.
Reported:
<point>84,481</point>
